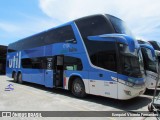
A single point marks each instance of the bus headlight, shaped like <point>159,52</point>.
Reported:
<point>130,84</point>
<point>127,92</point>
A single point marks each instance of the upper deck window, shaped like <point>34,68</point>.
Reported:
<point>61,34</point>
<point>57,35</point>
<point>94,25</point>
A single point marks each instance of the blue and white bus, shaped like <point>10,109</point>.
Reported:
<point>156,46</point>
<point>150,63</point>
<point>92,55</point>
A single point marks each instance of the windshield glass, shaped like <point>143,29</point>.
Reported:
<point>156,45</point>
<point>120,26</point>
<point>149,60</point>
<point>131,63</point>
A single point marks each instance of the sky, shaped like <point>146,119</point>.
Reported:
<point>22,18</point>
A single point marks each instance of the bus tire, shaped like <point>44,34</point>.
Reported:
<point>20,81</point>
<point>15,77</point>
<point>78,88</point>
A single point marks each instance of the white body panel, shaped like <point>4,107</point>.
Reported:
<point>111,89</point>
<point>134,91</point>
<point>151,79</point>
<point>103,88</point>
<point>114,89</point>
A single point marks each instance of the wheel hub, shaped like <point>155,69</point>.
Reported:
<point>77,88</point>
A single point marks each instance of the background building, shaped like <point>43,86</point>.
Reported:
<point>3,52</point>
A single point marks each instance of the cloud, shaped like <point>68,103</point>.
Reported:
<point>71,9</point>
<point>142,16</point>
<point>7,27</point>
<point>13,31</point>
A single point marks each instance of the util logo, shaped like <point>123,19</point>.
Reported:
<point>15,62</point>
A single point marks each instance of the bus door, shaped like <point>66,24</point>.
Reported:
<point>49,73</point>
<point>58,71</point>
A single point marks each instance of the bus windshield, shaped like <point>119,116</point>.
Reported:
<point>103,53</point>
<point>149,60</point>
<point>131,62</point>
<point>120,26</point>
<point>155,44</point>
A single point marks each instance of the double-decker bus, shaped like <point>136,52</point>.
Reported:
<point>150,63</point>
<point>91,55</point>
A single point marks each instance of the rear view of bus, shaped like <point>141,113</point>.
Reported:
<point>150,63</point>
<point>115,57</point>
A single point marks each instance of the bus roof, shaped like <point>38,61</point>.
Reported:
<point>68,23</point>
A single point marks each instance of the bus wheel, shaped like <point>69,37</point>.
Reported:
<point>15,77</point>
<point>20,78</point>
<point>78,88</point>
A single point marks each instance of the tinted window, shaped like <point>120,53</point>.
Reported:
<point>119,25</point>
<point>30,42</point>
<point>95,25</point>
<point>11,50</point>
<point>104,55</point>
<point>72,63</point>
<point>131,63</point>
<point>57,35</point>
<point>59,60</point>
<point>155,45</point>
<point>27,63</point>
<point>34,63</point>
<point>61,34</point>
<point>35,41</point>
<point>149,60</point>
<point>142,42</point>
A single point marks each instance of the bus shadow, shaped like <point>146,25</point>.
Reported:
<point>125,105</point>
<point>150,92</point>
<point>42,87</point>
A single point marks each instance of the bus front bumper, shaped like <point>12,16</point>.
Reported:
<point>125,92</point>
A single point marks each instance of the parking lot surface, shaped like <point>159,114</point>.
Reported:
<point>32,97</point>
